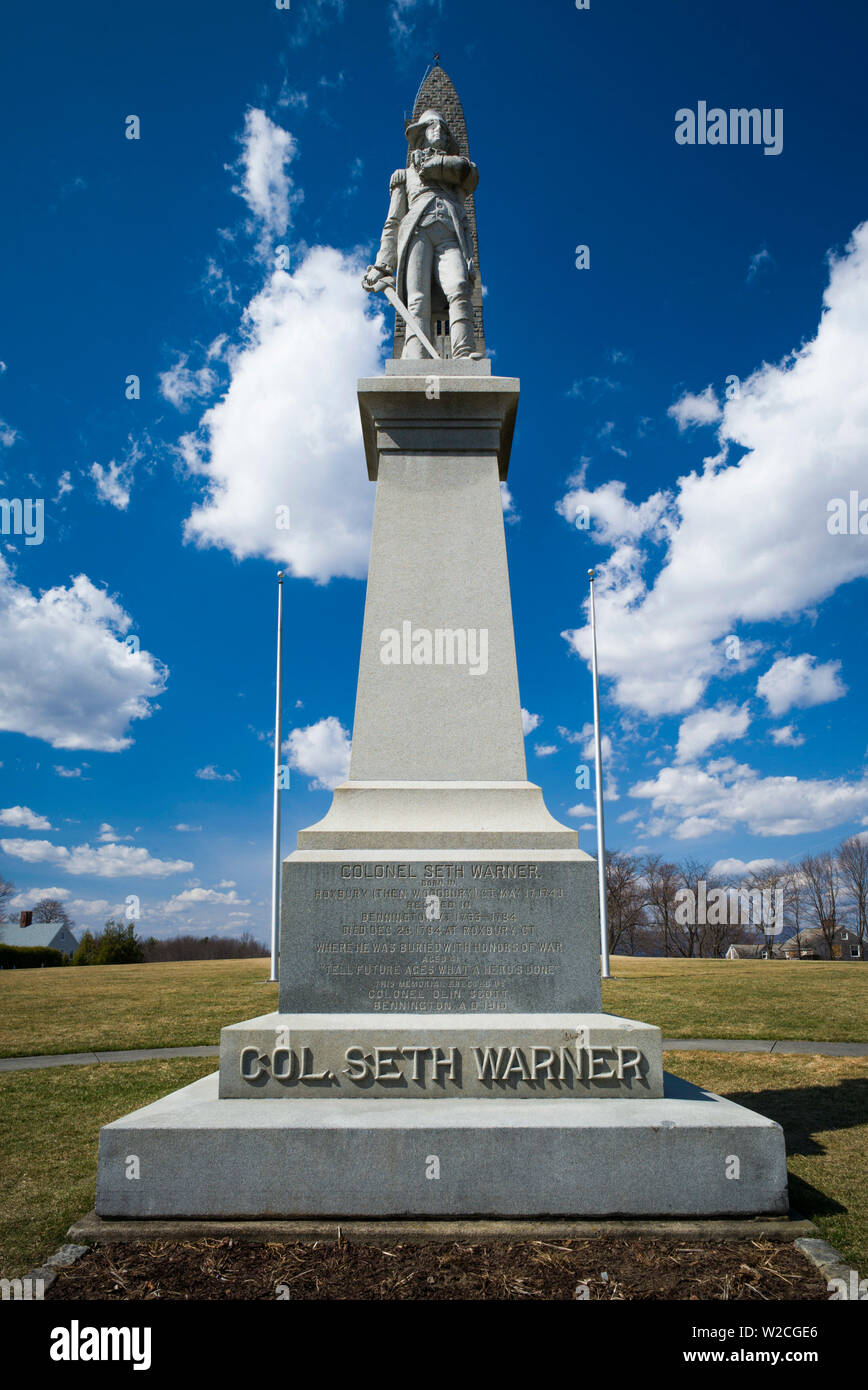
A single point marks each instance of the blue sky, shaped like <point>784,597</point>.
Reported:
<point>136,641</point>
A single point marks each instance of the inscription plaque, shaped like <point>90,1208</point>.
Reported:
<point>422,936</point>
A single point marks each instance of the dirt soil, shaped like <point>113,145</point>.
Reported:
<point>604,1268</point>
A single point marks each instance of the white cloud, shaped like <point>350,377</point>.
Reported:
<point>738,868</point>
<point>290,96</point>
<point>404,18</point>
<point>758,262</point>
<point>614,517</point>
<point>749,541</point>
<point>693,802</point>
<point>191,896</point>
<point>797,682</point>
<point>529,721</point>
<point>94,907</point>
<point>68,771</point>
<point>689,409</point>
<point>593,388</point>
<point>66,675</point>
<point>312,18</point>
<point>8,435</point>
<point>180,385</point>
<point>108,861</point>
<point>29,897</point>
<point>107,835</point>
<point>321,751</point>
<point>63,485</point>
<point>304,340</point>
<point>545,750</point>
<point>113,483</point>
<point>585,736</point>
<point>708,726</point>
<point>24,819</point>
<point>291,404</point>
<point>581,811</point>
<point>182,826</point>
<point>217,284</point>
<point>507,502</point>
<point>265,183</point>
<point>788,736</point>
<point>211,774</point>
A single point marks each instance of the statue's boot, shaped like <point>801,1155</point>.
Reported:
<point>413,347</point>
<point>463,338</point>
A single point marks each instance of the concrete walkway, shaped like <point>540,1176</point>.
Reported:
<point>156,1054</point>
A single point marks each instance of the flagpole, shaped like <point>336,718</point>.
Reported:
<point>601,833</point>
<point>275,851</point>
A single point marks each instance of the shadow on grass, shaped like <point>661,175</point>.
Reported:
<point>808,1110</point>
<point>802,1113</point>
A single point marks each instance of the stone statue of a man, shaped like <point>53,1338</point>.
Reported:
<point>427,238</point>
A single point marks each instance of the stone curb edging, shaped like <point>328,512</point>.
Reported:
<point>87,1059</point>
<point>61,1259</point>
<point>827,1259</point>
<point>769,1045</point>
<point>99,1230</point>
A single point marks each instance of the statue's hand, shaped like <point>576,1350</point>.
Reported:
<point>431,168</point>
<point>376,278</point>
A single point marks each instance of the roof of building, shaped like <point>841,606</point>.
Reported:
<point>38,934</point>
<point>813,936</point>
<point>751,950</point>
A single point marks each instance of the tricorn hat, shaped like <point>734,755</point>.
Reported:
<point>415,129</point>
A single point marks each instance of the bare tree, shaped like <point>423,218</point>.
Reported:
<point>6,891</point>
<point>625,900</point>
<point>722,927</point>
<point>767,906</point>
<point>51,910</point>
<point>663,881</point>
<point>821,894</point>
<point>691,926</point>
<point>853,869</point>
<point>795,898</point>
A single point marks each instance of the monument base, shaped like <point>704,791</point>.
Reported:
<point>305,1057</point>
<point>690,1153</point>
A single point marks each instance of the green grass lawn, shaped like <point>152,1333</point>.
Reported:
<point>48,1141</point>
<point>48,1144</point>
<point>824,1001</point>
<point>122,1006</point>
<point>105,1007</point>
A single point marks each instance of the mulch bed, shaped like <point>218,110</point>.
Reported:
<point>635,1268</point>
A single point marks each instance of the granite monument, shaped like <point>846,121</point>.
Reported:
<point>439,1047</point>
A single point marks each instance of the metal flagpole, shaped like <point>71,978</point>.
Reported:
<point>601,833</point>
<point>275,854</point>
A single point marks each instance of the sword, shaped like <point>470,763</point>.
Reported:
<point>410,319</point>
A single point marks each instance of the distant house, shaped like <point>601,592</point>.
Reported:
<point>753,951</point>
<point>53,934</point>
<point>812,945</point>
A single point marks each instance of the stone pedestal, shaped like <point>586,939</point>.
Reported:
<point>204,1157</point>
<point>439,1048</point>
